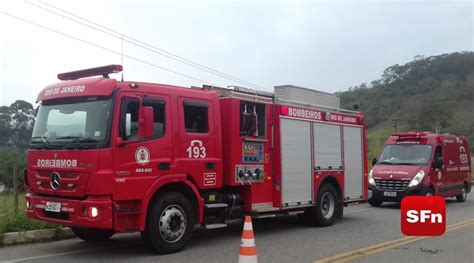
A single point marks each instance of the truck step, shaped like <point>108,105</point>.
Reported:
<point>215,205</point>
<point>214,226</point>
<point>260,216</point>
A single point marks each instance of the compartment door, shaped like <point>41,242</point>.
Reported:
<point>296,162</point>
<point>327,147</point>
<point>353,163</point>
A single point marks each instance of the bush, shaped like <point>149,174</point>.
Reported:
<point>11,222</point>
<point>20,222</point>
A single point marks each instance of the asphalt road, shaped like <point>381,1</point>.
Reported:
<point>283,240</point>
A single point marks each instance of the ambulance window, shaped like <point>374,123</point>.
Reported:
<point>438,153</point>
<point>195,117</point>
<point>158,116</point>
<point>129,119</point>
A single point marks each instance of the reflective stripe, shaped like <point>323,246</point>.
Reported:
<point>248,259</point>
<point>247,242</point>
<point>248,226</point>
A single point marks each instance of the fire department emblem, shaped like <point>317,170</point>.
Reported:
<point>142,155</point>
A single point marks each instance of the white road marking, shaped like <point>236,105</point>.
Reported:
<point>359,210</point>
<point>53,255</point>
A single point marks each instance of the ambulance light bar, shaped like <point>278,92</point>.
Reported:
<point>104,71</point>
<point>411,134</point>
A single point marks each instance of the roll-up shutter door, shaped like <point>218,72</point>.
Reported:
<point>296,161</point>
<point>353,163</point>
<point>327,146</point>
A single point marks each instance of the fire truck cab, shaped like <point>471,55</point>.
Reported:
<point>421,163</point>
<point>112,156</point>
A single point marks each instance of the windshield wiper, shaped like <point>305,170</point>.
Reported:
<point>40,139</point>
<point>87,140</point>
<point>382,162</point>
<point>75,139</point>
<point>405,163</point>
<point>79,140</point>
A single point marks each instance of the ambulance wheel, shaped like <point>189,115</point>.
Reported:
<point>327,208</point>
<point>463,196</point>
<point>170,223</point>
<point>375,202</point>
<point>92,235</point>
<point>430,192</point>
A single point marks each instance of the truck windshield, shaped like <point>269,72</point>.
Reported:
<point>75,123</point>
<point>406,154</point>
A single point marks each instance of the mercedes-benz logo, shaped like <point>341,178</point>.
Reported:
<point>55,180</point>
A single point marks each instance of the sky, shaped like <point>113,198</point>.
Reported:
<point>324,45</point>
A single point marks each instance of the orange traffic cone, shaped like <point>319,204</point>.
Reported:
<point>248,251</point>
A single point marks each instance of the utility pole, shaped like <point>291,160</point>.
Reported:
<point>437,127</point>
<point>395,123</point>
<point>15,187</point>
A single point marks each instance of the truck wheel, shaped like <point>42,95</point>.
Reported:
<point>327,206</point>
<point>429,192</point>
<point>375,202</point>
<point>92,235</point>
<point>463,196</point>
<point>170,223</point>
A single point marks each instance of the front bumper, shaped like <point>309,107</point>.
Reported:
<point>72,211</point>
<point>420,189</point>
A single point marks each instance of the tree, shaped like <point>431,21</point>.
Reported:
<point>434,116</point>
<point>16,125</point>
<point>13,162</point>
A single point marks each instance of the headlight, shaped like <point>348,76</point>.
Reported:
<point>417,179</point>
<point>371,179</point>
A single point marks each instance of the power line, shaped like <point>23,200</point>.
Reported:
<point>140,44</point>
<point>102,47</point>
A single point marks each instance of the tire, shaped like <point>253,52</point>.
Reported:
<point>430,192</point>
<point>93,235</point>
<point>375,202</point>
<point>328,206</point>
<point>327,209</point>
<point>170,223</point>
<point>463,196</point>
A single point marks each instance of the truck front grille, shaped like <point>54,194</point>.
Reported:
<point>61,216</point>
<point>392,185</point>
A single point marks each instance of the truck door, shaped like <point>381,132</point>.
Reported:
<point>198,149</point>
<point>138,161</point>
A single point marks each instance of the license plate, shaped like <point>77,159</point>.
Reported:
<point>53,207</point>
<point>390,194</point>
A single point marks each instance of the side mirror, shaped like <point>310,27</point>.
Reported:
<point>146,122</point>
<point>438,163</point>
<point>35,111</point>
<point>374,161</point>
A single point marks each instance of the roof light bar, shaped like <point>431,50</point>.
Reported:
<point>410,134</point>
<point>104,71</point>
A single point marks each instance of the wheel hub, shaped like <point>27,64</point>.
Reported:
<point>172,223</point>
<point>328,205</point>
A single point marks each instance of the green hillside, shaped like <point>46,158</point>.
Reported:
<point>426,94</point>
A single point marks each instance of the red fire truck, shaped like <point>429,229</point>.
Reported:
<point>112,156</point>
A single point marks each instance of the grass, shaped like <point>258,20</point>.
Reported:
<point>11,222</point>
